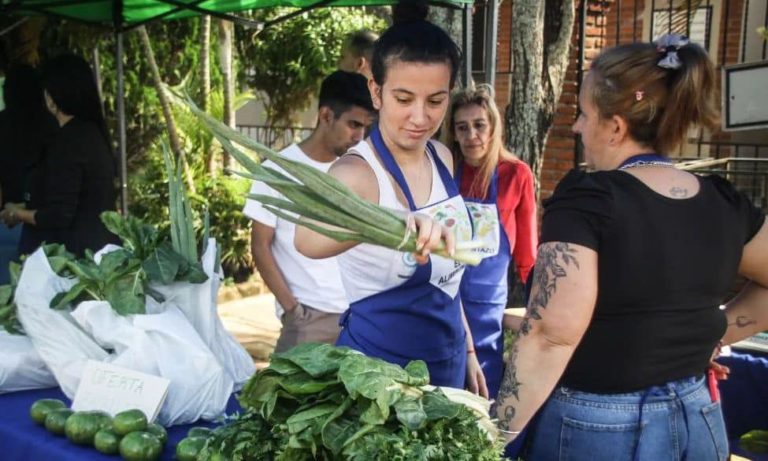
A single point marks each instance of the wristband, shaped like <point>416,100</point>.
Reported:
<point>509,432</point>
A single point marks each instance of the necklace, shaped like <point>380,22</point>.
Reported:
<point>644,160</point>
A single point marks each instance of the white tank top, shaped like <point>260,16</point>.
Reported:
<point>368,269</point>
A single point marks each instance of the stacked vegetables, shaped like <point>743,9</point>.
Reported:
<point>323,402</point>
<point>327,206</point>
<point>128,433</point>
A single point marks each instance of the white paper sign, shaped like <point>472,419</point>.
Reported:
<point>113,389</point>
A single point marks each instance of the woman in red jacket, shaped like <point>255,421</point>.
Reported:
<point>498,189</point>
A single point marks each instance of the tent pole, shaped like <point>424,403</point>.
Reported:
<point>491,37</point>
<point>121,122</point>
<point>466,72</point>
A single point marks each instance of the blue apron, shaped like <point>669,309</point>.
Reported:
<point>484,294</point>
<point>415,320</point>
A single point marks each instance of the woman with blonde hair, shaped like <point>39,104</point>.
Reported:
<point>498,190</point>
<point>635,260</point>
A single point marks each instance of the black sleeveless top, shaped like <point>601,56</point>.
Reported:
<point>664,267</point>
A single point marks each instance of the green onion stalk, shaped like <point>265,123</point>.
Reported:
<point>317,200</point>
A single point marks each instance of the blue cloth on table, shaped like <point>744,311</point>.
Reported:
<point>9,250</point>
<point>745,393</point>
<point>23,440</point>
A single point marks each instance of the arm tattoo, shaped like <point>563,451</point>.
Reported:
<point>551,263</point>
<point>548,269</point>
<point>510,387</point>
<point>743,321</point>
<point>678,192</point>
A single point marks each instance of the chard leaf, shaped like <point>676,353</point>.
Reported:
<point>311,417</point>
<point>65,298</point>
<point>6,293</point>
<point>192,273</point>
<point>437,406</point>
<point>163,264</point>
<point>126,295</point>
<point>58,263</point>
<point>14,269</point>
<point>411,413</point>
<point>337,429</point>
<point>317,359</point>
<point>418,371</point>
<point>373,414</point>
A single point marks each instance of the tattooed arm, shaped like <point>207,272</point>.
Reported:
<point>559,310</point>
<point>747,313</point>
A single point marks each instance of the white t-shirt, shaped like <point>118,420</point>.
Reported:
<point>314,282</point>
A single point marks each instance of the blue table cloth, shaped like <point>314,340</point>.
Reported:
<point>23,440</point>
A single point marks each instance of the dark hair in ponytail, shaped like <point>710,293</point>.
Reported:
<point>412,38</point>
<point>660,104</point>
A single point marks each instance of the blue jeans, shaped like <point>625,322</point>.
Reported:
<point>678,421</point>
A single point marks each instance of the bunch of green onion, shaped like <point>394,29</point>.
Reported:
<point>321,199</point>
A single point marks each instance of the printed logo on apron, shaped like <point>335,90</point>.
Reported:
<point>485,223</point>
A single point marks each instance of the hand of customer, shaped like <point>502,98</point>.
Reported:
<point>475,377</point>
<point>8,216</point>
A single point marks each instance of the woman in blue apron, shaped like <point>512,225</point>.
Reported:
<point>406,306</point>
<point>498,191</point>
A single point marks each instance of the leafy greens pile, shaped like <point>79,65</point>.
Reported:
<point>321,402</point>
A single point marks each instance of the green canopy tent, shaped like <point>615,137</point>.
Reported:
<point>123,15</point>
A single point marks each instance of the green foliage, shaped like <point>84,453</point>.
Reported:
<point>222,196</point>
<point>286,62</point>
<point>175,58</point>
<point>320,402</point>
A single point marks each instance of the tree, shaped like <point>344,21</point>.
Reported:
<point>165,105</point>
<point>286,62</point>
<point>226,61</point>
<point>541,36</point>
<point>205,82</point>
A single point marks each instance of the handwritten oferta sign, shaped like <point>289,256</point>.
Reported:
<point>110,388</point>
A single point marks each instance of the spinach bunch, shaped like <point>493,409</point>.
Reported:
<point>329,403</point>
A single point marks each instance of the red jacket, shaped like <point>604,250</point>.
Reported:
<point>517,209</point>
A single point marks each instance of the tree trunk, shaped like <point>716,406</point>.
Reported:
<point>541,36</point>
<point>173,134</point>
<point>226,33</point>
<point>205,79</point>
<point>450,20</point>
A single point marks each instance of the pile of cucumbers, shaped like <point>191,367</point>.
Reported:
<point>128,434</point>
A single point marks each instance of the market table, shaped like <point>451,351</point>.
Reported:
<point>23,440</point>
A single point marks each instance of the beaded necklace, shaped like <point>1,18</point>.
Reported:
<point>642,160</point>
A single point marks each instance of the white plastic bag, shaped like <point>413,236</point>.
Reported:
<point>163,344</point>
<point>21,367</point>
<point>62,345</point>
<point>198,303</point>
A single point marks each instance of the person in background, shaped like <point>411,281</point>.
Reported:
<point>25,128</point>
<point>74,180</point>
<point>635,259</point>
<point>499,193</point>
<point>357,52</point>
<point>406,307</point>
<point>309,295</point>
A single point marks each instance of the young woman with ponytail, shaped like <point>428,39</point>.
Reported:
<point>635,259</point>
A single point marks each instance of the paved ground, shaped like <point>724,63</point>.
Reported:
<point>253,322</point>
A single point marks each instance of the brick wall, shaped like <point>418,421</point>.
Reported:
<point>601,31</point>
<point>560,148</point>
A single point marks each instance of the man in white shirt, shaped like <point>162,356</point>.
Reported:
<point>309,294</point>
